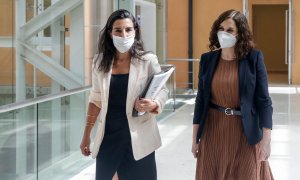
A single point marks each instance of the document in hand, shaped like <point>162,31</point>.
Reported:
<point>154,85</point>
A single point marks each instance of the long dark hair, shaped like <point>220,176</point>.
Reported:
<point>244,42</point>
<point>106,46</point>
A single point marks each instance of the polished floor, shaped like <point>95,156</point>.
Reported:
<point>175,161</point>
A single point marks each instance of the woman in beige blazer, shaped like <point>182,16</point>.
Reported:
<point>123,143</point>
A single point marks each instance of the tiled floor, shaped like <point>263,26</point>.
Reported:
<point>175,161</point>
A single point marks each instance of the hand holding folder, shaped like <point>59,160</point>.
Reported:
<point>154,85</point>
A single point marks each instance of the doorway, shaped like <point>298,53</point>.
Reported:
<point>145,12</point>
<point>270,35</point>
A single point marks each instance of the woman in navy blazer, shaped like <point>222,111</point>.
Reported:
<point>232,142</point>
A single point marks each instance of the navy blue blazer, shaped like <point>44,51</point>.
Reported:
<point>255,102</point>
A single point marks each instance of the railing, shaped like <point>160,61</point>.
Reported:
<point>29,102</point>
<point>186,76</point>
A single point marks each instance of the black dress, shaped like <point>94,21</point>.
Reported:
<point>115,153</point>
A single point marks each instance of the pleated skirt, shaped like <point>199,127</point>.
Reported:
<point>224,153</point>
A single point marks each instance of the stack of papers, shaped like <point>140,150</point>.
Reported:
<point>154,85</point>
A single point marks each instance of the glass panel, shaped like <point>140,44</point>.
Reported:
<point>47,31</point>
<point>60,128</point>
<point>47,3</point>
<point>6,52</point>
<point>29,81</point>
<point>37,83</point>
<point>30,9</point>
<point>42,141</point>
<point>6,76</point>
<point>18,144</point>
<point>52,41</point>
<point>43,86</point>
<point>6,17</point>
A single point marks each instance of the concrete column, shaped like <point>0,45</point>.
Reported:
<point>90,37</point>
<point>96,13</point>
<point>161,30</point>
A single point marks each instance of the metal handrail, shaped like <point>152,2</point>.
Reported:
<point>183,59</point>
<point>187,60</point>
<point>29,102</point>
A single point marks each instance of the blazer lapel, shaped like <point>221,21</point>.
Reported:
<point>133,74</point>
<point>106,84</point>
<point>242,75</point>
<point>213,62</point>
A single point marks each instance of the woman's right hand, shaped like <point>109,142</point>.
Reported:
<point>195,149</point>
<point>85,145</point>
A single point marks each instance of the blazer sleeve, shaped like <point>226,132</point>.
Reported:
<point>263,101</point>
<point>199,98</point>
<point>95,94</point>
<point>162,96</point>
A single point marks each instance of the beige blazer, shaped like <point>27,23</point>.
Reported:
<point>144,132</point>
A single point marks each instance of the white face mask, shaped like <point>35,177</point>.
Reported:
<point>226,39</point>
<point>123,44</point>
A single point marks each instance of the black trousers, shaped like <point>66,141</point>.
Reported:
<point>115,155</point>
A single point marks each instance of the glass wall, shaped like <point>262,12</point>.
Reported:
<point>6,51</point>
<point>42,141</point>
<point>35,48</point>
<point>47,46</point>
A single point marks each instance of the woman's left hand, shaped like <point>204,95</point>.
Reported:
<point>265,145</point>
<point>145,105</point>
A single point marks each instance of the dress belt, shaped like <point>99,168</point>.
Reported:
<point>227,111</point>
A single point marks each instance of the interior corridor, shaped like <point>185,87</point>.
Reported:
<point>175,161</point>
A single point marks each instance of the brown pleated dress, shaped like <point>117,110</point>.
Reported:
<point>224,153</point>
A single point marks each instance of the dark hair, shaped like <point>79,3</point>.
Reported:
<point>244,42</point>
<point>106,46</point>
